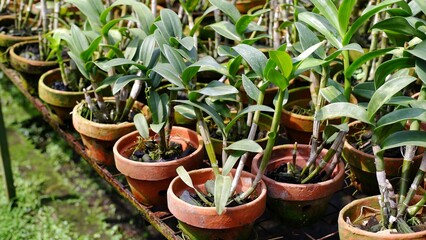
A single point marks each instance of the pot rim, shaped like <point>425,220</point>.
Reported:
<point>14,55</point>
<point>342,224</point>
<point>159,164</point>
<point>46,88</point>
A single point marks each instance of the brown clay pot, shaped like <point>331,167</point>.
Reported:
<point>61,102</point>
<point>99,138</point>
<point>245,5</point>
<point>24,65</point>
<point>355,211</point>
<point>203,222</point>
<point>149,181</point>
<point>299,127</point>
<point>9,40</point>
<point>298,204</point>
<point>363,169</point>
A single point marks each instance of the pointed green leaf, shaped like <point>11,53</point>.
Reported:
<point>245,145</point>
<point>207,109</point>
<point>329,11</point>
<point>216,88</point>
<point>250,108</point>
<point>171,22</point>
<point>175,59</point>
<point>186,111</point>
<point>385,92</point>
<point>253,56</point>
<point>93,47</point>
<point>228,8</point>
<point>141,125</point>
<point>342,109</point>
<point>420,68</point>
<point>200,19</point>
<point>320,24</point>
<point>308,39</point>
<point>283,62</point>
<point>421,4</point>
<point>169,73</point>
<point>230,162</point>
<point>363,59</point>
<point>345,11</point>
<point>122,81</point>
<point>331,94</point>
<point>389,67</point>
<point>252,91</point>
<point>222,192</point>
<point>278,79</point>
<point>157,127</point>
<point>402,115</point>
<point>404,138</point>
<point>184,176</point>
<point>226,29</point>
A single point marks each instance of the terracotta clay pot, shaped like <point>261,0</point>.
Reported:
<point>21,64</point>
<point>9,40</point>
<point>245,5</point>
<point>61,102</point>
<point>299,127</point>
<point>298,204</point>
<point>363,169</point>
<point>354,211</point>
<point>201,223</point>
<point>149,181</point>
<point>99,138</point>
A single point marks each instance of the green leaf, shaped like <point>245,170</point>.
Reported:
<point>189,5</point>
<point>420,68</point>
<point>146,51</point>
<point>157,107</point>
<point>222,192</point>
<point>88,53</point>
<point>363,59</point>
<point>396,25</point>
<point>175,59</point>
<point>200,19</point>
<point>331,94</point>
<point>283,62</point>
<point>321,24</point>
<point>245,145</point>
<point>385,92</point>
<point>228,8</point>
<point>171,22</point>
<point>343,109</point>
<point>226,29</point>
<point>365,16</point>
<point>186,111</point>
<point>216,88</point>
<point>421,4</point>
<point>107,27</point>
<point>253,56</point>
<point>419,50</point>
<point>207,109</point>
<point>389,67</point>
<point>169,73</point>
<point>365,90</point>
<point>308,39</point>
<point>123,81</point>
<point>230,162</point>
<point>141,125</point>
<point>92,9</point>
<point>156,127</point>
<point>105,66</point>
<point>345,11</point>
<point>329,11</point>
<point>402,115</point>
<point>208,63</point>
<point>250,108</point>
<point>244,21</point>
<point>184,176</point>
<point>275,77</point>
<point>305,54</point>
<point>250,88</point>
<point>404,138</point>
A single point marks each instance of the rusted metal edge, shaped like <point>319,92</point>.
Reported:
<point>150,216</point>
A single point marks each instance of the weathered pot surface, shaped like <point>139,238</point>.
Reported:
<point>203,222</point>
<point>149,181</point>
<point>298,204</point>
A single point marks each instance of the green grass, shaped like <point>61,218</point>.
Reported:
<point>56,199</point>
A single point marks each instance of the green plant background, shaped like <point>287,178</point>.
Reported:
<point>59,196</point>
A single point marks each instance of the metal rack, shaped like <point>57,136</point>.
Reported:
<point>162,220</point>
